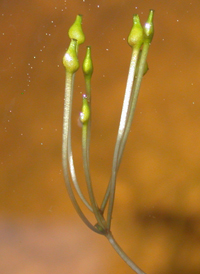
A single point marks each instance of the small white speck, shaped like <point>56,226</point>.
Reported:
<point>192,84</point>
<point>34,57</point>
<point>107,49</point>
<point>193,103</point>
<point>177,20</point>
<point>124,38</point>
<point>98,6</point>
<point>41,144</point>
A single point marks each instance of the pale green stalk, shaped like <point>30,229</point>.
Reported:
<point>65,149</point>
<point>85,117</point>
<point>135,40</point>
<point>122,254</point>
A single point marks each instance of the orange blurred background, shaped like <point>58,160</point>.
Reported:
<point>157,209</point>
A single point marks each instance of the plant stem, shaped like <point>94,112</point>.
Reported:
<point>95,208</point>
<point>122,254</point>
<point>65,150</point>
<point>122,126</point>
<point>134,97</point>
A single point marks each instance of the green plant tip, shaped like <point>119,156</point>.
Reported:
<point>149,27</point>
<point>85,114</point>
<point>87,63</point>
<point>70,59</point>
<point>76,32</point>
<point>136,36</point>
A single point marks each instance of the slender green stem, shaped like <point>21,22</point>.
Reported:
<point>122,125</point>
<point>88,93</point>
<point>73,175</point>
<point>134,97</point>
<point>85,149</point>
<point>65,149</point>
<point>122,254</point>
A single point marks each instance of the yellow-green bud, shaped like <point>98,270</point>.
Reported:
<point>70,59</point>
<point>85,114</point>
<point>87,63</point>
<point>136,36</point>
<point>76,32</point>
<point>149,27</point>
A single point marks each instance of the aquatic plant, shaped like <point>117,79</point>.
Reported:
<point>139,40</point>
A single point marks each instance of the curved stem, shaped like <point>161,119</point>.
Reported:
<point>122,254</point>
<point>65,149</point>
<point>85,148</point>
<point>134,97</point>
<point>122,126</point>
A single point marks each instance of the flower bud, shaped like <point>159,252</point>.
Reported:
<point>136,36</point>
<point>85,114</point>
<point>76,32</point>
<point>87,64</point>
<point>70,59</point>
<point>149,28</point>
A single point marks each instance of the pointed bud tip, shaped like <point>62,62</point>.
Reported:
<point>136,36</point>
<point>87,63</point>
<point>76,31</point>
<point>149,27</point>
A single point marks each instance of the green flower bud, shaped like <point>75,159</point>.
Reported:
<point>76,32</point>
<point>136,36</point>
<point>87,64</point>
<point>85,114</point>
<point>149,28</point>
<point>70,59</point>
